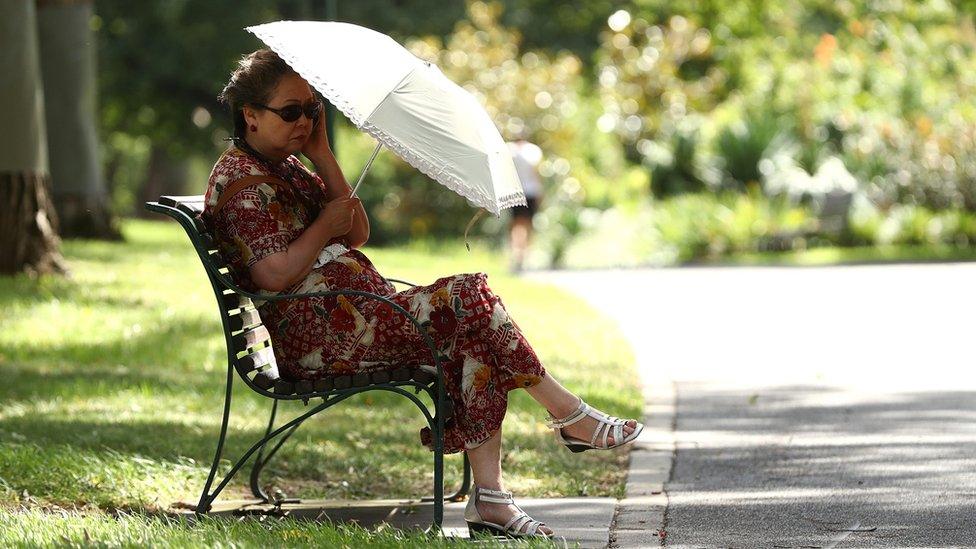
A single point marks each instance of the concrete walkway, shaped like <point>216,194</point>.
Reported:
<point>580,522</point>
<point>816,407</point>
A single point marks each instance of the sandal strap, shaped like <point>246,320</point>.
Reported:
<point>608,425</point>
<point>522,521</point>
<point>515,523</point>
<point>493,496</point>
<point>581,412</point>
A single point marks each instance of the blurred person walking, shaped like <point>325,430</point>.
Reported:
<point>527,157</point>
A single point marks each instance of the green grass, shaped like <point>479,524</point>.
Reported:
<point>113,381</point>
<point>38,528</point>
<point>838,256</point>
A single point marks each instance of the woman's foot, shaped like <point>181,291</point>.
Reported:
<point>583,430</point>
<point>594,423</point>
<point>498,508</point>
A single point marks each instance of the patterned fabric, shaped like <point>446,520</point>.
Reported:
<point>484,354</point>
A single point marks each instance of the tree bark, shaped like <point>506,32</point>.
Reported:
<point>28,237</point>
<point>67,51</point>
<point>164,176</point>
<point>28,224</point>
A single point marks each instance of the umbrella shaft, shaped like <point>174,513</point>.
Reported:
<point>366,169</point>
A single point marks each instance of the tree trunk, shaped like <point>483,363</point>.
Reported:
<point>28,224</point>
<point>28,237</point>
<point>164,176</point>
<point>67,50</point>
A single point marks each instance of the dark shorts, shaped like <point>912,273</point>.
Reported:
<point>529,211</point>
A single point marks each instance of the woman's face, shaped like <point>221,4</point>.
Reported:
<point>275,137</point>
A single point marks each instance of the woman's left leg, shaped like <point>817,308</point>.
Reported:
<point>560,403</point>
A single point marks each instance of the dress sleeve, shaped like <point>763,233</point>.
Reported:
<point>254,221</point>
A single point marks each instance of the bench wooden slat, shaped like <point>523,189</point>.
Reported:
<point>234,301</point>
<point>257,359</point>
<point>324,384</point>
<point>200,225</point>
<point>360,379</point>
<point>190,205</point>
<point>400,374</point>
<point>208,241</point>
<point>342,382</point>
<point>265,380</point>
<point>282,387</point>
<point>423,376</point>
<point>250,338</point>
<point>217,260</point>
<point>248,317</point>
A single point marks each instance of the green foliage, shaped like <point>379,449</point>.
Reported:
<point>626,97</point>
<point>741,146</point>
<point>653,75</point>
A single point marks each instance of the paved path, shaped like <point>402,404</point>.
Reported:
<point>580,522</point>
<point>816,407</point>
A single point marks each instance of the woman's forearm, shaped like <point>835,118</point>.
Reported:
<point>336,186</point>
<point>282,270</point>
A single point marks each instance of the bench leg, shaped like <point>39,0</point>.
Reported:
<point>461,493</point>
<point>203,506</point>
<point>438,432</point>
<point>261,460</point>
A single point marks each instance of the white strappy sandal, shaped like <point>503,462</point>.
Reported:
<point>602,432</point>
<point>519,526</point>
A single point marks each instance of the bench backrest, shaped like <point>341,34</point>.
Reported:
<point>248,341</point>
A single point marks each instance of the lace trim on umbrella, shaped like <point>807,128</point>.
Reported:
<point>305,72</point>
<point>436,172</point>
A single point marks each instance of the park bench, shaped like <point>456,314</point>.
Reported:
<point>251,355</point>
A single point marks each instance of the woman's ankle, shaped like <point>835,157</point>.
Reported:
<point>498,486</point>
<point>566,408</point>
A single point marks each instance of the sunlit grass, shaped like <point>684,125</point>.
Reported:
<point>833,255</point>
<point>58,527</point>
<point>113,384</point>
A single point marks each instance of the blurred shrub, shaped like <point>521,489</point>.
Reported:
<point>741,146</point>
<point>913,225</point>
<point>651,77</point>
<point>690,227</point>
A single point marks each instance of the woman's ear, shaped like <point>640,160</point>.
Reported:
<point>250,116</point>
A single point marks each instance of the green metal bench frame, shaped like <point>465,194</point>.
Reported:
<point>249,352</point>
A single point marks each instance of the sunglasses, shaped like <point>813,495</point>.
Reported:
<point>290,113</point>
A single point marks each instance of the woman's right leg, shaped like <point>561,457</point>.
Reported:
<point>486,467</point>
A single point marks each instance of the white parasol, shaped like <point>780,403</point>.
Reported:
<point>406,103</point>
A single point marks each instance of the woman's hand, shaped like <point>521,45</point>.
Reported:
<point>338,215</point>
<point>317,147</point>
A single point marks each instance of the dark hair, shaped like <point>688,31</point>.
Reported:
<point>253,81</point>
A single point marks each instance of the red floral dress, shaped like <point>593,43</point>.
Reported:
<point>484,352</point>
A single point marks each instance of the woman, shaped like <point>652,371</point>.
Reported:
<point>271,233</point>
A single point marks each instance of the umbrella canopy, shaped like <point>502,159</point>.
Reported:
<point>406,103</point>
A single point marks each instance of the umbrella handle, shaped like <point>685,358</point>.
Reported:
<point>366,169</point>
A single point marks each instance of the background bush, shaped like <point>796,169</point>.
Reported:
<point>859,115</point>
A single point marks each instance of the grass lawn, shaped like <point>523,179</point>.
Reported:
<point>832,255</point>
<point>112,394</point>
